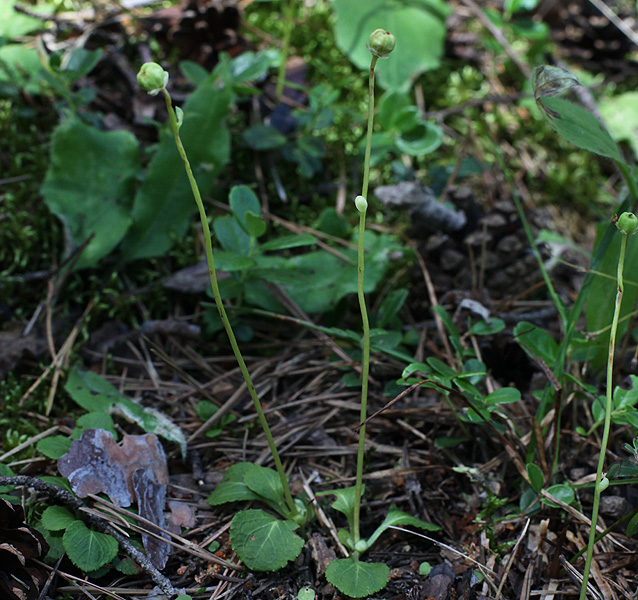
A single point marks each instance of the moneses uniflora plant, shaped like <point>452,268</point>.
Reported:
<point>627,224</point>
<point>264,542</point>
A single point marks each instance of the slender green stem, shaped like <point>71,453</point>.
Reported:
<point>365,360</point>
<point>220,305</point>
<point>607,425</point>
<point>365,368</point>
<point>281,74</point>
<point>366,160</point>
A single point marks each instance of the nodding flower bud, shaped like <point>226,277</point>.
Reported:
<point>627,223</point>
<point>381,43</point>
<point>152,78</point>
<point>361,203</point>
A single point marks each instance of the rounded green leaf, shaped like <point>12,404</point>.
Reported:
<point>421,139</point>
<point>419,28</point>
<point>54,446</point>
<point>56,518</point>
<point>357,579</point>
<point>88,549</point>
<point>229,261</point>
<point>561,491</point>
<point>266,483</point>
<point>262,541</point>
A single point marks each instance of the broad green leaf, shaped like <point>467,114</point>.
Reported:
<point>626,398</point>
<point>266,483</point>
<point>229,261</point>
<point>332,223</point>
<point>391,305</point>
<point>419,28</point>
<point>54,446</point>
<point>488,327</point>
<point>249,66</point>
<point>438,366</point>
<point>345,500</point>
<point>562,491</point>
<point>95,394</point>
<point>164,204</point>
<point>88,549</point>
<point>421,139</point>
<point>194,72</point>
<point>92,392</point>
<point>580,127</point>
<point>601,296</point>
<point>536,342</point>
<point>397,518</point>
<point>255,225</point>
<point>264,542</point>
<point>231,235</point>
<point>357,579</point>
<point>263,137</point>
<point>322,279</point>
<point>56,518</point>
<point>19,65</point>
<point>14,24</point>
<point>621,115</point>
<point>89,185</point>
<point>243,200</point>
<point>506,395</point>
<point>535,476</point>
<point>389,106</point>
<point>288,241</point>
<point>232,487</point>
<point>94,420</point>
<point>80,62</point>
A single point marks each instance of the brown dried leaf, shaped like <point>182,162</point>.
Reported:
<point>133,470</point>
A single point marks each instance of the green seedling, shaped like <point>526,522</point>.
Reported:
<point>254,531</point>
<point>627,224</point>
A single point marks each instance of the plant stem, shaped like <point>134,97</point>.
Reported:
<point>220,305</point>
<point>365,360</point>
<point>281,74</point>
<point>366,160</point>
<point>607,424</point>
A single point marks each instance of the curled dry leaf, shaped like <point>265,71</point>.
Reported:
<point>134,470</point>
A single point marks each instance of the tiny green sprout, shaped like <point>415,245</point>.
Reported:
<point>361,203</point>
<point>425,568</point>
<point>627,223</point>
<point>152,78</point>
<point>381,43</point>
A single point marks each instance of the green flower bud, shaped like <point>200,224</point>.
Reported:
<point>627,223</point>
<point>361,203</point>
<point>152,78</point>
<point>381,43</point>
